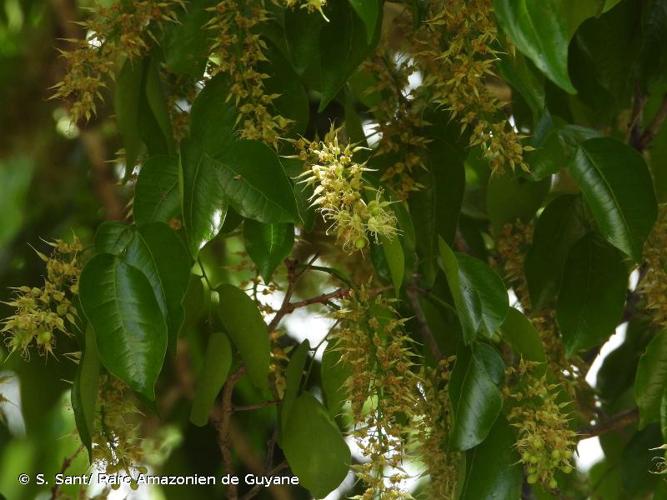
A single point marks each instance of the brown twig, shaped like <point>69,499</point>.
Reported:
<point>67,462</point>
<point>424,328</point>
<point>654,127</point>
<point>257,489</point>
<point>614,423</point>
<point>638,103</point>
<point>258,406</point>
<point>222,421</point>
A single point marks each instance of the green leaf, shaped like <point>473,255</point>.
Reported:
<point>480,296</point>
<point>127,96</point>
<point>84,391</point>
<point>16,174</point>
<point>475,394</point>
<point>314,447</point>
<point>217,362</point>
<point>334,375</point>
<point>204,203</point>
<point>393,253</point>
<point>130,330</point>
<point>157,102</point>
<point>343,47</point>
<point>651,379</point>
<point>525,340</point>
<point>302,33</point>
<point>293,376</point>
<point>368,11</point>
<point>267,245</point>
<point>156,197</point>
<point>560,226</point>
<point>255,184</point>
<point>244,324</point>
<point>159,253</point>
<point>212,118</point>
<point>510,197</point>
<point>542,30</point>
<point>617,187</point>
<point>592,294</point>
<point>113,237</point>
<point>186,46</point>
<point>494,470</point>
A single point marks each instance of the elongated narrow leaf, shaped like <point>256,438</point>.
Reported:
<point>542,30</point>
<point>617,186</point>
<point>213,117</point>
<point>157,102</point>
<point>368,11</point>
<point>590,303</point>
<point>475,394</point>
<point>525,340</point>
<point>343,46</point>
<point>130,330</point>
<point>156,196</point>
<point>204,203</point>
<point>253,180</point>
<point>244,324</point>
<point>494,470</point>
<point>293,376</point>
<point>334,374</point>
<point>480,297</point>
<point>314,447</point>
<point>84,391</point>
<point>651,379</point>
<point>560,226</point>
<point>217,362</point>
<point>393,254</point>
<point>127,96</point>
<point>267,245</point>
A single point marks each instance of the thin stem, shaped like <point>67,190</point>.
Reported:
<point>619,421</point>
<point>67,462</point>
<point>654,127</point>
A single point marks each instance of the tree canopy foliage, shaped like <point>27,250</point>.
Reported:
<point>379,249</point>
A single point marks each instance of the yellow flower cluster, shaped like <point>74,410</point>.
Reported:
<point>654,284</point>
<point>338,193</point>
<point>309,5</point>
<point>116,440</point>
<point>432,431</point>
<point>382,389</point>
<point>455,52</point>
<point>238,50</point>
<point>41,312</point>
<point>546,442</point>
<point>399,121</point>
<point>122,30</point>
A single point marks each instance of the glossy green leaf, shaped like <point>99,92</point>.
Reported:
<point>334,375</point>
<point>494,470</point>
<point>84,391</point>
<point>267,245</point>
<point>542,30</point>
<point>651,379</point>
<point>368,11</point>
<point>204,203</point>
<point>393,253</point>
<point>255,184</point>
<point>343,46</point>
<point>157,102</point>
<point>525,340</point>
<point>127,97</point>
<point>213,117</point>
<point>319,468</point>
<point>293,376</point>
<point>113,237</point>
<point>592,294</point>
<point>511,197</point>
<point>217,362</point>
<point>186,46</point>
<point>560,226</point>
<point>244,324</point>
<point>475,394</point>
<point>302,34</point>
<point>617,187</point>
<point>156,197</point>
<point>130,330</point>
<point>480,296</point>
